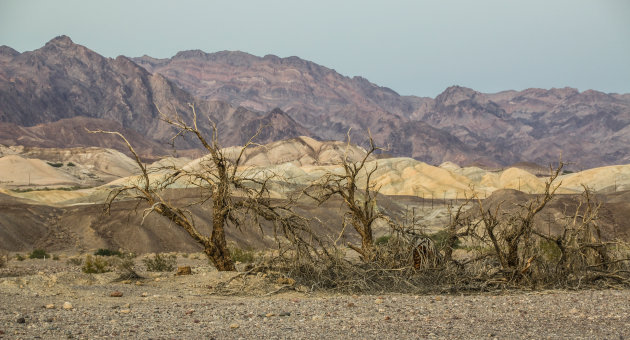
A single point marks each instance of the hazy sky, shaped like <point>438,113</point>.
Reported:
<point>413,47</point>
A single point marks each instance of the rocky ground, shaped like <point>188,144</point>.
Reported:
<point>54,299</point>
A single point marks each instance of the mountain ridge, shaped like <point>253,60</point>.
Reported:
<point>239,92</point>
<point>535,125</point>
<point>64,80</point>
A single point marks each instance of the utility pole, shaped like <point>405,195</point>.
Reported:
<point>413,216</point>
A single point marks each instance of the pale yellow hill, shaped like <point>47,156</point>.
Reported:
<point>18,171</point>
<point>100,161</point>
<point>54,196</point>
<point>167,163</point>
<point>291,163</point>
<point>406,176</point>
<point>599,179</point>
<point>301,151</point>
<point>519,179</point>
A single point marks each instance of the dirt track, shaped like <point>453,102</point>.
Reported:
<point>184,307</point>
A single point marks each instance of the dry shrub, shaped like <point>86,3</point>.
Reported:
<point>160,263</point>
<point>39,254</point>
<point>509,251</point>
<point>95,265</point>
<point>504,249</point>
<point>126,267</point>
<point>391,270</point>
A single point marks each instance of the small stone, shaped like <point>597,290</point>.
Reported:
<point>196,321</point>
<point>438,298</point>
<point>157,279</point>
<point>139,283</point>
<point>67,305</point>
<point>387,318</point>
<point>190,311</point>
<point>50,306</point>
<point>234,326</point>
<point>317,317</point>
<point>21,320</point>
<point>125,311</point>
<point>378,301</point>
<point>116,294</point>
<point>285,314</point>
<point>144,294</point>
<point>270,315</point>
<point>185,270</point>
<point>50,320</point>
<point>351,304</point>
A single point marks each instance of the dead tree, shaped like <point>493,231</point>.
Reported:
<point>508,236</point>
<point>360,203</point>
<point>219,179</point>
<point>461,225</point>
<point>580,241</point>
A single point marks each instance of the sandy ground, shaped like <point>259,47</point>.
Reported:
<point>164,306</point>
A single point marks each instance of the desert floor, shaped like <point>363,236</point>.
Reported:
<point>164,306</point>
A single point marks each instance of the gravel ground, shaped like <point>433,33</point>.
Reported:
<point>164,306</point>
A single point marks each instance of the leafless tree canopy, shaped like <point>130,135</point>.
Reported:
<point>361,203</point>
<point>220,180</point>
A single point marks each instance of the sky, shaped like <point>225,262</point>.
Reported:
<point>413,47</point>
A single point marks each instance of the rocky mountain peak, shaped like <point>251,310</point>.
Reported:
<point>8,51</point>
<point>190,54</point>
<point>60,41</point>
<point>454,95</point>
<point>595,96</point>
<point>564,92</point>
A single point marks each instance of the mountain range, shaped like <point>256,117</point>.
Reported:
<point>48,96</point>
